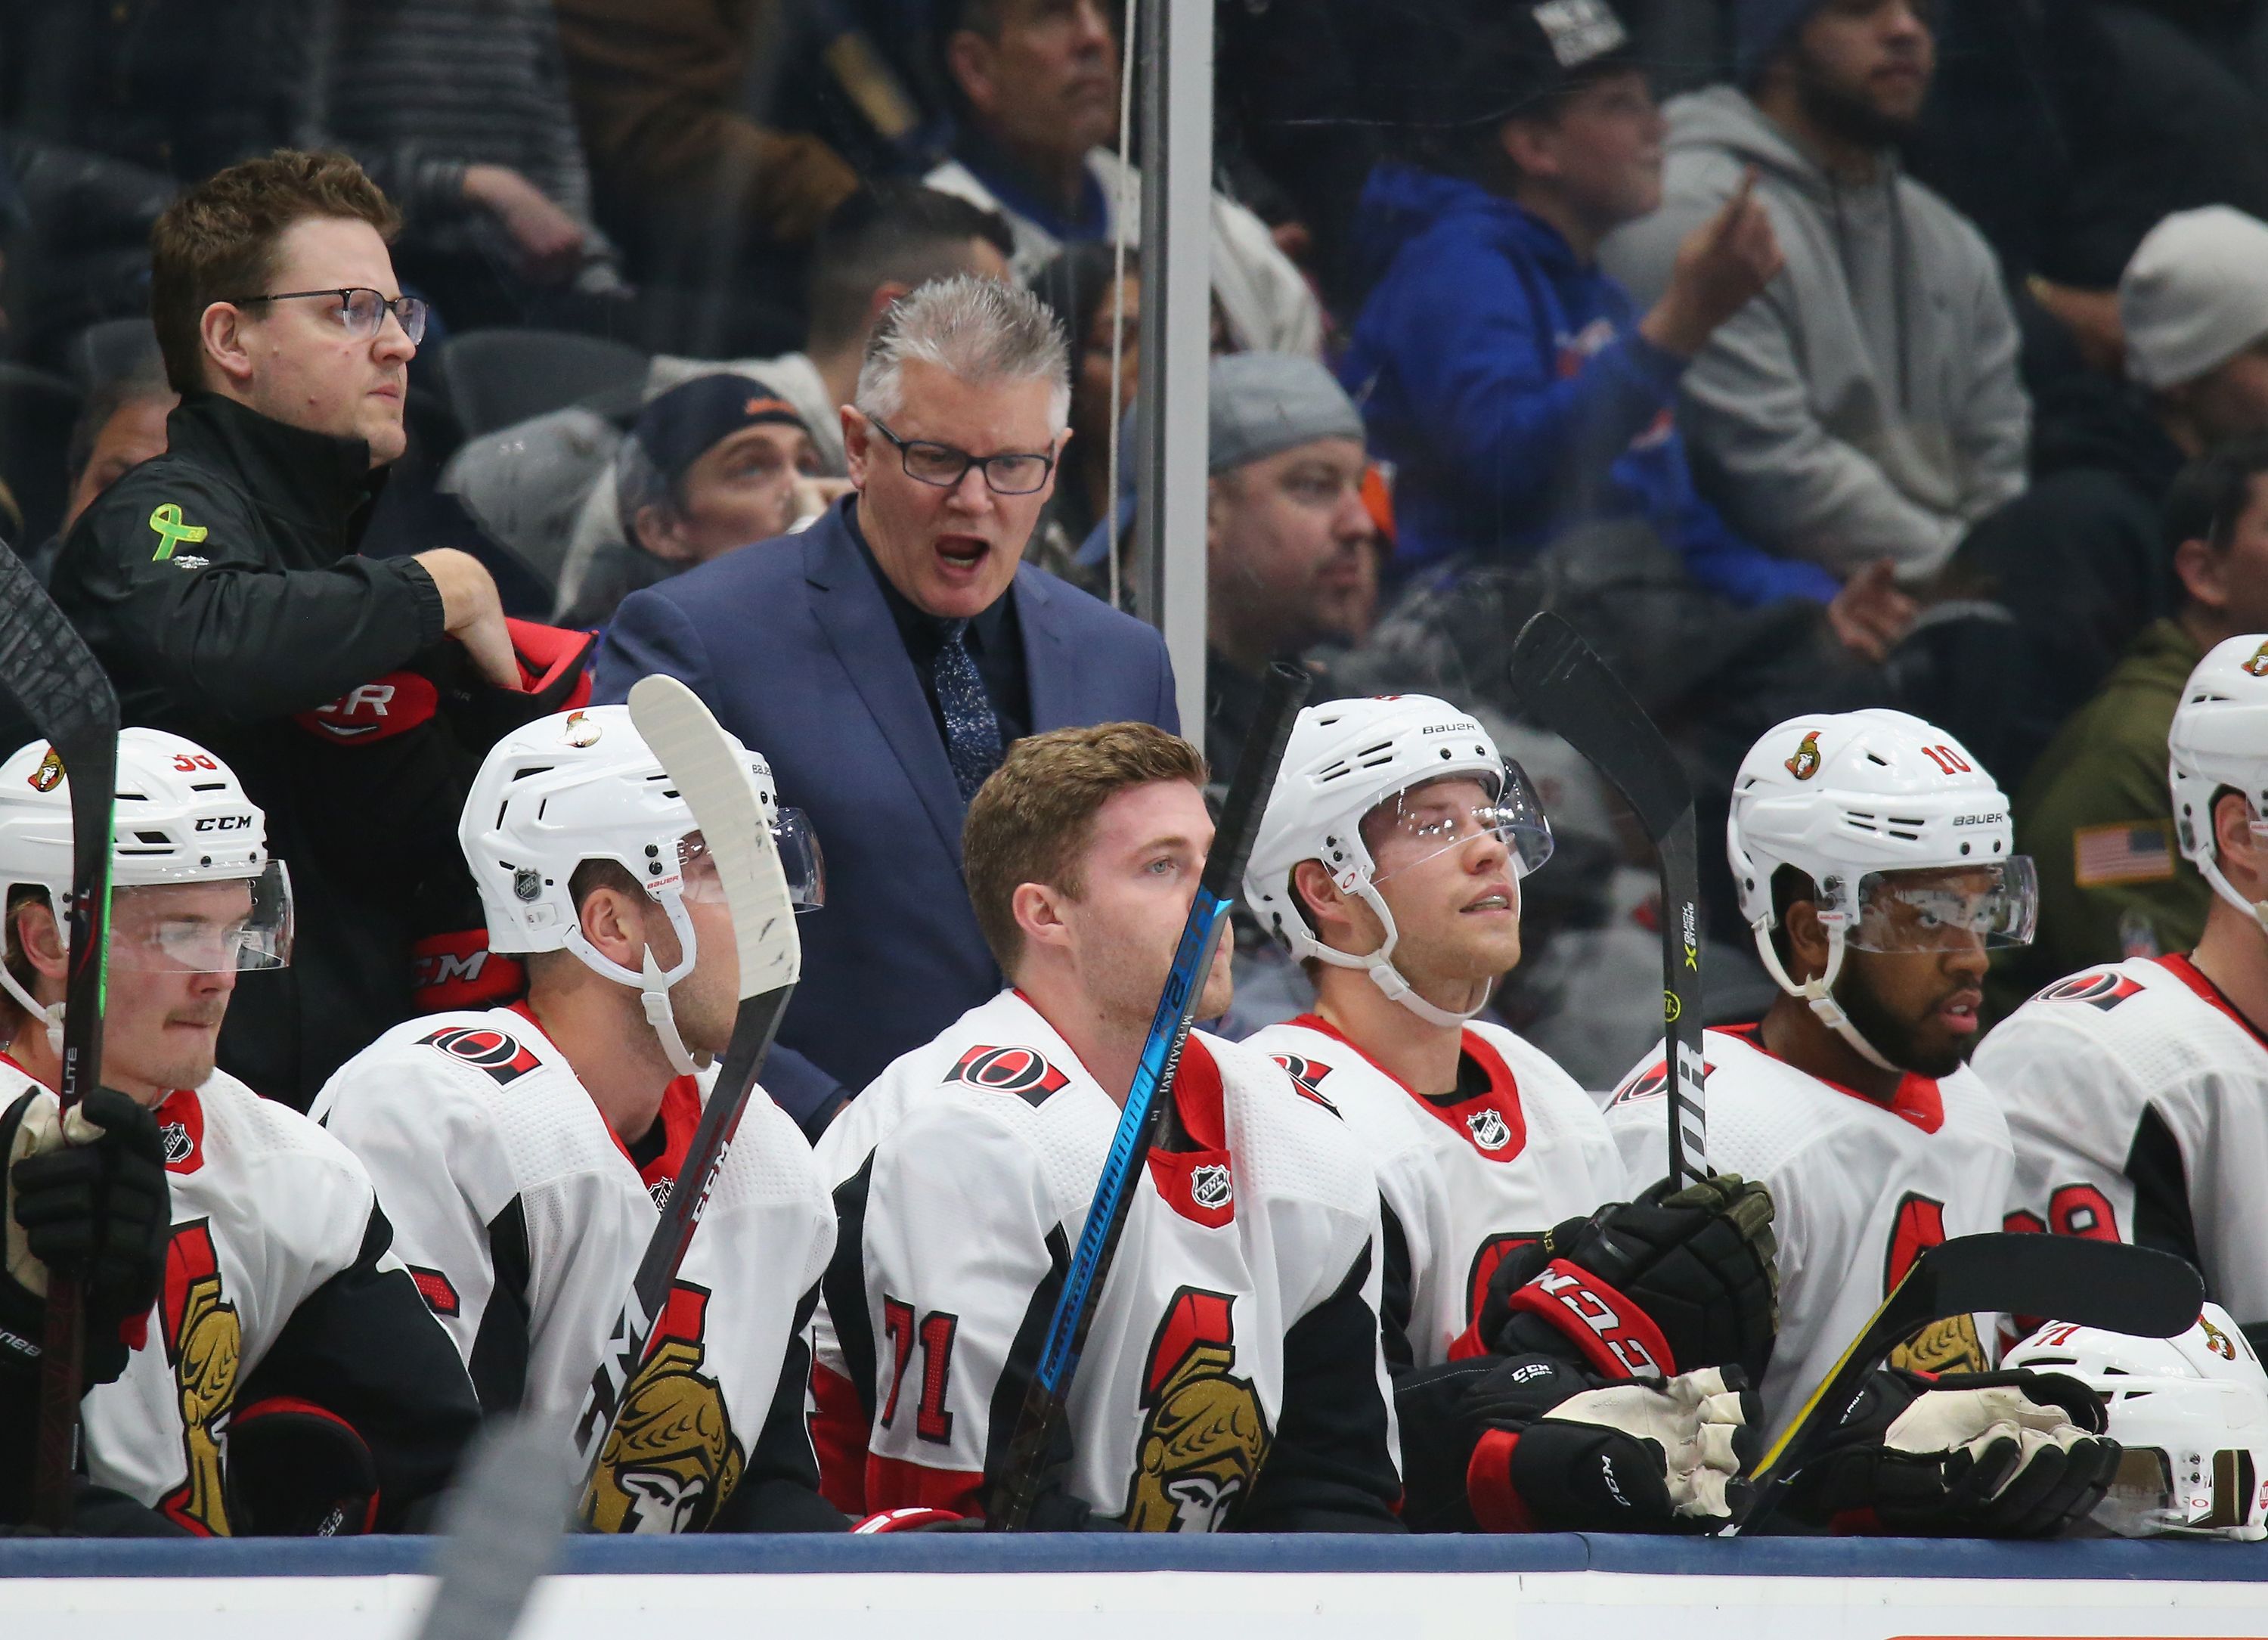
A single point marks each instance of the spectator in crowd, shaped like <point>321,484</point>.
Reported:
<point>1868,405</point>
<point>1286,531</point>
<point>546,487</point>
<point>684,164</point>
<point>1511,383</point>
<point>219,585</point>
<point>2094,815</point>
<point>715,464</point>
<point>122,425</point>
<point>1037,86</point>
<point>884,661</point>
<point>467,102</point>
<point>2081,558</point>
<point>1082,289</point>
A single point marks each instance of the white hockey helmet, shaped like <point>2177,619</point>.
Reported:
<point>584,786</point>
<point>2192,1413</point>
<point>179,816</point>
<point>1344,759</point>
<point>1875,806</point>
<point>2220,739</point>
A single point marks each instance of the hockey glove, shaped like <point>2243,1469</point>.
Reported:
<point>96,1208</point>
<point>297,1470</point>
<point>1628,1457</point>
<point>1695,1270</point>
<point>2017,1454</point>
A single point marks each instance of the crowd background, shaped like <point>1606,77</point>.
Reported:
<point>1808,354</point>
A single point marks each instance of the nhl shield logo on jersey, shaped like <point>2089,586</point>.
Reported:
<point>1209,1186</point>
<point>671,1460</point>
<point>50,774</point>
<point>1805,764</point>
<point>1489,1128</point>
<point>1204,1437</point>
<point>204,1344</point>
<point>1021,1071</point>
<point>181,1131</point>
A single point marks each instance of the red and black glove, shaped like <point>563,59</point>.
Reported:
<point>298,1470</point>
<point>1667,1283</point>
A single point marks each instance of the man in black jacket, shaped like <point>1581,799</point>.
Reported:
<point>220,586</point>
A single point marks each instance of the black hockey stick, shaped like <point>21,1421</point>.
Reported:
<point>54,678</point>
<point>1563,684</point>
<point>2108,1284</point>
<point>1009,1506</point>
<point>717,787</point>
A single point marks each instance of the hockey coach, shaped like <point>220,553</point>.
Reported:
<point>220,586</point>
<point>885,659</point>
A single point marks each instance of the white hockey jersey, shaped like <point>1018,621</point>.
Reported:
<point>1232,1374</point>
<point>1464,1176</point>
<point>523,1219</point>
<point>2138,1099</point>
<point>1857,1189</point>
<point>278,1283</point>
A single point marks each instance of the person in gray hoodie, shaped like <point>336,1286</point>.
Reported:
<point>1865,406</point>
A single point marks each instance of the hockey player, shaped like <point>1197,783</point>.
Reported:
<point>1232,1376</point>
<point>261,1360</point>
<point>2138,1094</point>
<point>1875,864</point>
<point>524,1148</point>
<point>1390,861</point>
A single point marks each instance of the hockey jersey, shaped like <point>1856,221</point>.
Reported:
<point>523,1219</point>
<point>1232,1375</point>
<point>1464,1176</point>
<point>2138,1099</point>
<point>1858,1188</point>
<point>280,1283</point>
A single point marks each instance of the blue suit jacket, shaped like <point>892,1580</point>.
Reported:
<point>791,647</point>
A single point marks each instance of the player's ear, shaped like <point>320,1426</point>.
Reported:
<point>222,338</point>
<point>612,925</point>
<point>1807,941</point>
<point>2232,836</point>
<point>40,939</point>
<point>1037,908</point>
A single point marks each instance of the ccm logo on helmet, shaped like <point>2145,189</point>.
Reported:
<point>225,822</point>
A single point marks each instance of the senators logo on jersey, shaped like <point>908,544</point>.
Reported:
<point>1021,1071</point>
<point>501,1056</point>
<point>204,1345</point>
<point>1204,1437</point>
<point>2105,990</point>
<point>1946,1346</point>
<point>671,1460</point>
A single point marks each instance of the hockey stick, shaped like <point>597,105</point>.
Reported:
<point>62,689</point>
<point>715,782</point>
<point>1009,1506</point>
<point>500,1528</point>
<point>2108,1284</point>
<point>1562,682</point>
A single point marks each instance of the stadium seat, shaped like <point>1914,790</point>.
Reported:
<point>497,377</point>
<point>36,413</point>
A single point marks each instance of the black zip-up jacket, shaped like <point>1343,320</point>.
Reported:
<point>220,586</point>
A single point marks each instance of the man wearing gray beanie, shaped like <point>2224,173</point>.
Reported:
<point>2193,302</point>
<point>1288,540</point>
<point>1867,406</point>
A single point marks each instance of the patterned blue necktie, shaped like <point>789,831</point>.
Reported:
<point>972,732</point>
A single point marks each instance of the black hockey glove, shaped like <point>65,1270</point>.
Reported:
<point>97,1208</point>
<point>1628,1457</point>
<point>296,1470</point>
<point>1698,1265</point>
<point>2017,1454</point>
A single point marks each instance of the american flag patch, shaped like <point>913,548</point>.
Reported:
<point>2123,852</point>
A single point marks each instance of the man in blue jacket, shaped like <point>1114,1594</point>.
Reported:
<point>1513,385</point>
<point>885,659</point>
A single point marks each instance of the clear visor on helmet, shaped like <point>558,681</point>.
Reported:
<point>1449,812</point>
<point>2155,1492</point>
<point>228,926</point>
<point>1950,908</point>
<point>805,867</point>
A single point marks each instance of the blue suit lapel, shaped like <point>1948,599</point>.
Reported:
<point>849,608</point>
<point>1048,672</point>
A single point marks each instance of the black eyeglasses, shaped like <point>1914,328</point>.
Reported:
<point>942,465</point>
<point>361,310</point>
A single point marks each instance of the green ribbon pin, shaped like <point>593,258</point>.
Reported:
<point>166,521</point>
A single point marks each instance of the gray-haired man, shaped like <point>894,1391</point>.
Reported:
<point>886,661</point>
